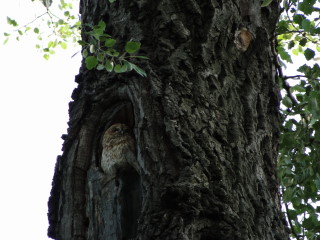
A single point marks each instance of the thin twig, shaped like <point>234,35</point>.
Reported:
<point>24,26</point>
<point>298,76</point>
<point>290,220</point>
<point>286,85</point>
<point>293,31</point>
<point>293,77</point>
<point>51,13</point>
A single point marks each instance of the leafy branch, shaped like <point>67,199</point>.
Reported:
<point>62,29</point>
<point>100,52</point>
<point>298,163</point>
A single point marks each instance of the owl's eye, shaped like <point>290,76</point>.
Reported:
<point>116,130</point>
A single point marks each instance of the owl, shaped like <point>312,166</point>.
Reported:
<point>118,150</point>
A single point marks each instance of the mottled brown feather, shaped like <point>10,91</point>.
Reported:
<point>118,151</point>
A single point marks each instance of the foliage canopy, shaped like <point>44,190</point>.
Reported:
<point>299,166</point>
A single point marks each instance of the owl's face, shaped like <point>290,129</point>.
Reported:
<point>118,129</point>
<point>115,134</point>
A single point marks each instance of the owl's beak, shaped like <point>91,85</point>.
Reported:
<point>123,131</point>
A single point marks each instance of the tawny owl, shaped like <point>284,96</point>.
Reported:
<point>118,150</point>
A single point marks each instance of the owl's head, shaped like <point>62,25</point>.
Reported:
<point>118,129</point>
<point>115,133</point>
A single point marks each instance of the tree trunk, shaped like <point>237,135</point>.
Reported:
<point>205,122</point>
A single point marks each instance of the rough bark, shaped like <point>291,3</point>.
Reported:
<point>205,121</point>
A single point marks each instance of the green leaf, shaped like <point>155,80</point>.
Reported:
<point>313,103</point>
<point>91,62</point>
<point>129,66</point>
<point>303,42</point>
<point>63,45</point>
<point>314,30</point>
<point>132,47</point>
<point>317,182</point>
<point>100,67</point>
<point>141,57</point>
<point>60,22</point>
<point>309,223</point>
<point>46,56</point>
<point>292,214</point>
<point>12,22</point>
<point>138,70</point>
<point>306,24</point>
<point>101,25</point>
<point>124,68</point>
<point>120,68</point>
<point>298,18</point>
<point>85,53</point>
<point>109,65</point>
<point>117,68</point>
<point>66,13</point>
<point>298,88</point>
<point>92,48</point>
<point>287,102</point>
<point>5,41</point>
<point>291,44</point>
<point>316,72</point>
<point>284,54</point>
<point>296,51</point>
<point>282,26</point>
<point>110,42</point>
<point>82,43</point>
<point>46,3</point>
<point>266,3</point>
<point>99,29</point>
<point>111,1</point>
<point>285,5</point>
<point>100,57</point>
<point>36,30</point>
<point>306,6</point>
<point>50,44</point>
<point>112,53</point>
<point>309,54</point>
